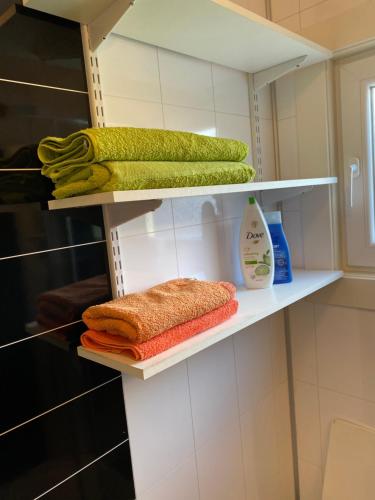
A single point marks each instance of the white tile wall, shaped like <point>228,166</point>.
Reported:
<point>180,483</point>
<point>185,81</point>
<point>303,123</point>
<point>292,23</point>
<point>213,372</point>
<point>283,8</point>
<point>145,86</point>
<point>190,120</point>
<point>297,15</point>
<point>150,259</point>
<point>311,482</point>
<point>153,416</point>
<point>207,430</point>
<point>257,6</point>
<point>302,332</point>
<point>231,91</point>
<point>123,112</point>
<point>254,364</point>
<point>129,69</point>
<point>308,422</point>
<point>220,468</point>
<point>197,430</point>
<point>332,354</point>
<point>293,227</point>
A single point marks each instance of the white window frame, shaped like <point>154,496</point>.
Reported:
<point>356,78</point>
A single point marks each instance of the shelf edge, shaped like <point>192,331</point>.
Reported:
<point>134,368</point>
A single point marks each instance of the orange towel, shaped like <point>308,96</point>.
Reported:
<point>106,342</point>
<point>141,316</point>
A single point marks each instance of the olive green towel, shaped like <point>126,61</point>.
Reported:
<point>124,175</point>
<point>63,157</point>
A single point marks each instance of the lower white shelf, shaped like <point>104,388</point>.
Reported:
<point>254,305</point>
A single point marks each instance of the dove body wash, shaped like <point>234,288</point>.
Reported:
<point>256,250</point>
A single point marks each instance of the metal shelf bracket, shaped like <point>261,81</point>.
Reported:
<point>269,75</point>
<point>277,195</point>
<point>103,24</point>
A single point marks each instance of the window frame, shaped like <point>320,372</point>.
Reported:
<point>357,109</point>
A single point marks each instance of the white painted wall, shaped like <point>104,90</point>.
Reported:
<point>216,426</point>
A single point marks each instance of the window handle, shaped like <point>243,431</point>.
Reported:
<point>354,174</point>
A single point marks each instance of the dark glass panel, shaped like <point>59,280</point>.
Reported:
<point>31,229</point>
<point>39,48</point>
<point>38,455</point>
<point>50,289</point>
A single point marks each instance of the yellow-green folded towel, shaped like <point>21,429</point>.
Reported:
<point>124,175</point>
<point>64,156</point>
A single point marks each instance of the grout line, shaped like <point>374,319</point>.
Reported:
<point>173,227</point>
<point>193,429</point>
<point>317,385</point>
<point>178,106</point>
<point>313,6</point>
<point>175,239</point>
<point>52,250</point>
<point>159,80</point>
<point>340,393</point>
<point>160,89</point>
<point>292,402</point>
<point>81,469</point>
<point>43,86</point>
<point>213,97</point>
<point>39,334</point>
<point>58,406</point>
<point>239,416</point>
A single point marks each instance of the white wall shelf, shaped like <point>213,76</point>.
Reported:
<point>217,30</point>
<point>214,30</point>
<point>160,194</point>
<point>254,305</point>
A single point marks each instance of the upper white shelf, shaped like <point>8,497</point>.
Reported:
<point>215,30</point>
<point>254,305</point>
<point>160,194</point>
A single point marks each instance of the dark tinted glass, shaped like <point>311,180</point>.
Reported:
<point>39,48</point>
<point>47,290</point>
<point>31,229</point>
<point>45,451</point>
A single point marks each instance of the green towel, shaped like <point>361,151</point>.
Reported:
<point>124,175</point>
<point>63,157</point>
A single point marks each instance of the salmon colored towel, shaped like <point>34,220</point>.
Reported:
<point>141,316</point>
<point>106,342</point>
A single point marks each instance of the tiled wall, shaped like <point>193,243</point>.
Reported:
<point>144,86</point>
<point>257,6</point>
<point>332,23</point>
<point>216,426</point>
<point>333,352</point>
<point>304,118</point>
<point>297,15</point>
<point>63,432</point>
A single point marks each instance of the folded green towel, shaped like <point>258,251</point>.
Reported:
<point>124,175</point>
<point>62,157</point>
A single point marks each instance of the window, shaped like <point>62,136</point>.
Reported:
<point>357,120</point>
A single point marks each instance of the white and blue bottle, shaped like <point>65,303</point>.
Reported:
<point>283,268</point>
<point>256,252</point>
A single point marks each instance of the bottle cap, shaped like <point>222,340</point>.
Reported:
<point>252,200</point>
<point>273,217</point>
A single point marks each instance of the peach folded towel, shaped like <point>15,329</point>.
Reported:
<point>106,342</point>
<point>141,316</point>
